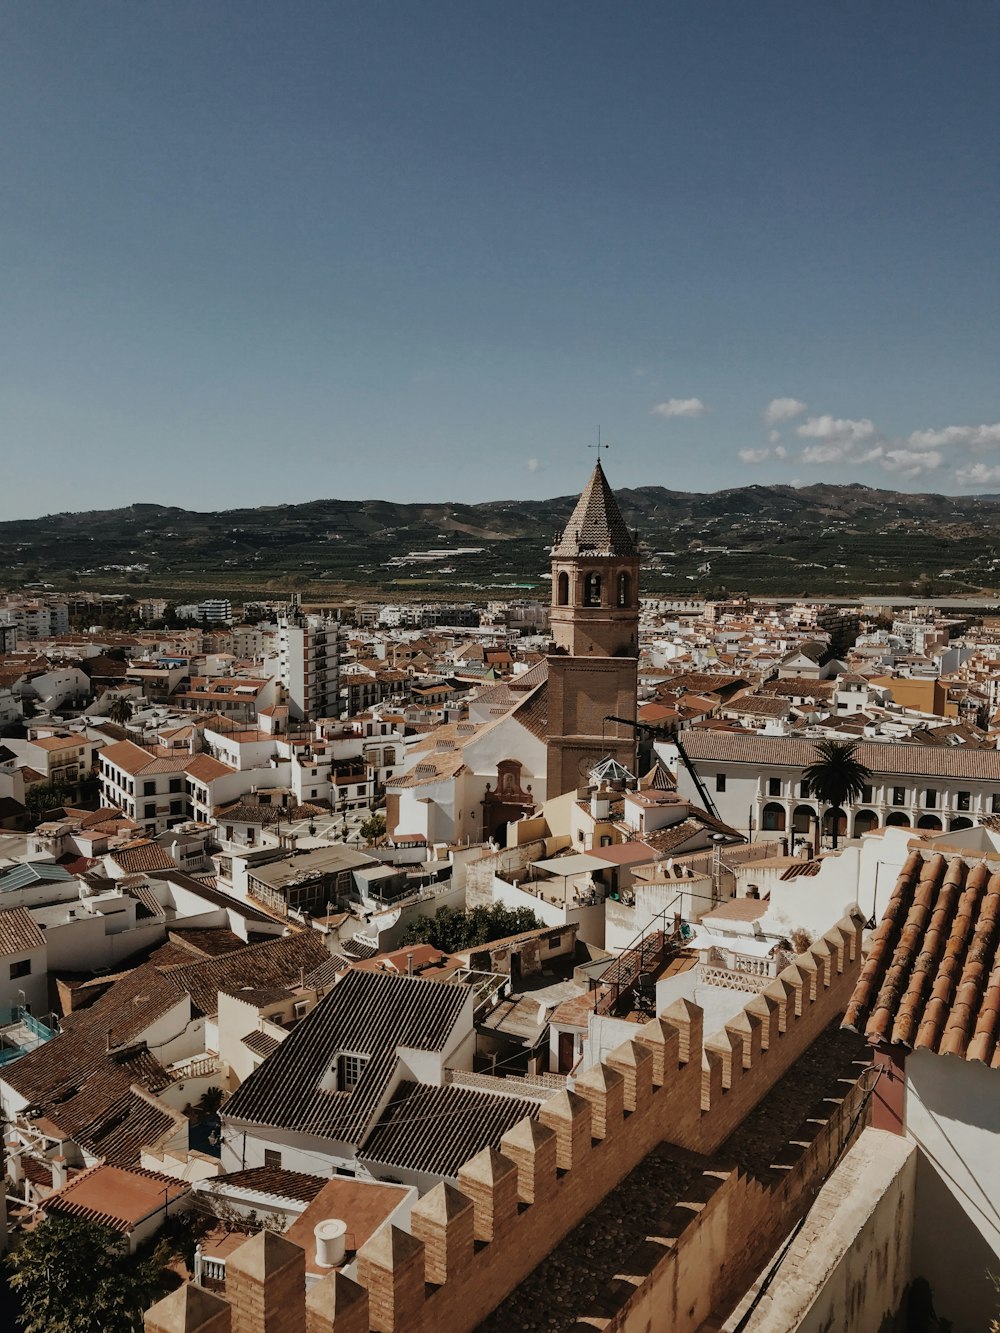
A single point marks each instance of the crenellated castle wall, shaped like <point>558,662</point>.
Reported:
<point>471,1246</point>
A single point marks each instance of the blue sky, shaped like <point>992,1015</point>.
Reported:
<point>259,252</point>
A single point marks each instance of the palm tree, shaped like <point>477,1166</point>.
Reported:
<point>120,711</point>
<point>836,777</point>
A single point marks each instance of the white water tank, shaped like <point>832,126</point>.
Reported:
<point>331,1242</point>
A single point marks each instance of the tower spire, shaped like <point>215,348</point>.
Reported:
<point>596,526</point>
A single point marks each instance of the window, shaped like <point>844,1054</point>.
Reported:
<point>995,803</point>
<point>176,807</point>
<point>867,793</point>
<point>592,590</point>
<point>272,1158</point>
<point>149,812</point>
<point>964,801</point>
<point>149,789</point>
<point>562,586</point>
<point>899,795</point>
<point>774,786</point>
<point>20,969</point>
<point>720,782</point>
<point>624,590</point>
<point>176,785</point>
<point>350,1067</point>
<point>930,798</point>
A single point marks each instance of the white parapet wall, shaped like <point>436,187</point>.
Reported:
<point>849,1266</point>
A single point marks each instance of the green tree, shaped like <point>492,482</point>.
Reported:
<point>73,1276</point>
<point>372,829</point>
<point>45,796</point>
<point>451,931</point>
<point>120,711</point>
<point>836,777</point>
<point>211,1099</point>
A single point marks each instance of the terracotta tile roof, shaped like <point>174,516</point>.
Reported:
<point>756,705</point>
<point>271,963</point>
<point>277,1181</point>
<point>206,941</point>
<point>116,1196</point>
<point>129,757</point>
<point>932,977</point>
<point>596,525</point>
<point>19,932</point>
<point>884,758</point>
<point>432,767</point>
<point>261,1043</point>
<point>88,1093</point>
<point>252,812</point>
<point>659,778</point>
<point>533,713</point>
<point>145,854</point>
<point>206,769</point>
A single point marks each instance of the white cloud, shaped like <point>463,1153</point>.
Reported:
<point>973,437</point>
<point>840,440</point>
<point>774,436</point>
<point>680,407</point>
<point>841,430</point>
<point>834,452</point>
<point>754,456</point>
<point>783,409</point>
<point>535,465</point>
<point>911,462</point>
<point>978,474</point>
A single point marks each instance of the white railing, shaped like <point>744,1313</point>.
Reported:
<point>207,1267</point>
<point>727,980</point>
<point>533,1087</point>
<point>199,1067</point>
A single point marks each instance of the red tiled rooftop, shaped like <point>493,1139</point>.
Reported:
<point>932,977</point>
<point>116,1196</point>
<point>363,1205</point>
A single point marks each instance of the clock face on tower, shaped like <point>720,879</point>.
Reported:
<point>585,765</point>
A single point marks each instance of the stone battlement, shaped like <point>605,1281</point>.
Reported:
<point>470,1247</point>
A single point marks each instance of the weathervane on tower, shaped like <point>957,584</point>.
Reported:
<point>599,445</point>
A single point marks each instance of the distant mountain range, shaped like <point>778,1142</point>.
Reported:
<point>778,539</point>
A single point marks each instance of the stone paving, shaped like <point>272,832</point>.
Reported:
<point>568,1282</point>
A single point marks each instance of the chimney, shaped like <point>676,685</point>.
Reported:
<point>15,1168</point>
<point>409,963</point>
<point>60,1172</point>
<point>331,1242</point>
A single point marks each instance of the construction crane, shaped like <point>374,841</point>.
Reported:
<point>669,733</point>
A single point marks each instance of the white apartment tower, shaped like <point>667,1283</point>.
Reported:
<point>309,663</point>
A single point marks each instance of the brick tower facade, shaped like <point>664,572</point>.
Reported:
<point>595,639</point>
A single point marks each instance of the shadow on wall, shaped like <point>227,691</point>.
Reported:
<point>953,1257</point>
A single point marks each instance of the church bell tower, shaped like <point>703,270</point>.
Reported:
<point>595,631</point>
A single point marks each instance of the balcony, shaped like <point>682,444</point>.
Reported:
<point>20,1032</point>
